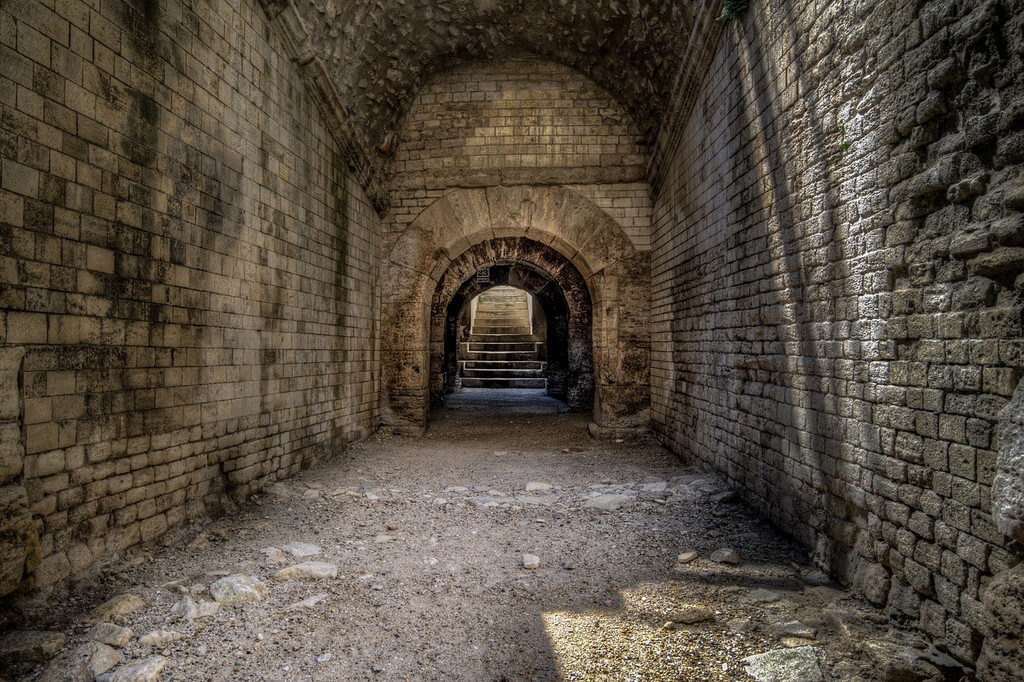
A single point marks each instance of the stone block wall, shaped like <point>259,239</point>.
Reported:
<point>188,275</point>
<point>837,287</point>
<point>518,122</point>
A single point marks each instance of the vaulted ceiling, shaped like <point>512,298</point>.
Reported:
<point>378,53</point>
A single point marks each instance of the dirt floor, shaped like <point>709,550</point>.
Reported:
<point>429,536</point>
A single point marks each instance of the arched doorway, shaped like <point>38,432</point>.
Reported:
<point>545,235</point>
<point>557,286</point>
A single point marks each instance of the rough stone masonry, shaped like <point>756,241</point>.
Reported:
<point>233,236</point>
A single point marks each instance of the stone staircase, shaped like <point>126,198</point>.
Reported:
<point>502,351</point>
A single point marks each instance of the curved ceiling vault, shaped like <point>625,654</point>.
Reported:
<point>379,53</point>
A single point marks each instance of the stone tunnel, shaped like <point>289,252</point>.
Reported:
<point>785,237</point>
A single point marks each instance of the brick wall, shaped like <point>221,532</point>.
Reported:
<point>836,287</point>
<point>186,265</point>
<point>519,122</point>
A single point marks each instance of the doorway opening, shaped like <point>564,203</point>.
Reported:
<point>502,341</point>
<point>515,324</point>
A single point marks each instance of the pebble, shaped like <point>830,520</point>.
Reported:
<point>531,561</point>
<point>725,555</point>
<point>30,645</point>
<point>534,486</point>
<point>238,589</point>
<point>309,570</point>
<point>686,556</point>
<point>323,658</point>
<point>110,634</point>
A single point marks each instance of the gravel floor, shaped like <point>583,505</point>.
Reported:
<point>428,537</point>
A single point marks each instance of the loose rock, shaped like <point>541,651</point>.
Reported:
<point>687,556</point>
<point>531,561</point>
<point>120,605</point>
<point>762,596</point>
<point>82,664</point>
<point>301,549</point>
<point>725,555</point>
<point>692,614</point>
<point>238,589</point>
<point>608,502</point>
<point>146,670</point>
<point>310,570</point>
<point>785,665</point>
<point>159,637</point>
<point>110,634</point>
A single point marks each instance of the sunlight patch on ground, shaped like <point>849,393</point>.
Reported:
<point>633,639</point>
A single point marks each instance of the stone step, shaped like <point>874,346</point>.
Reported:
<point>495,373</point>
<point>499,355</point>
<point>469,382</point>
<point>513,346</point>
<point>504,364</point>
<point>501,337</point>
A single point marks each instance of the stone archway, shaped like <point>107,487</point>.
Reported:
<point>489,225</point>
<point>540,271</point>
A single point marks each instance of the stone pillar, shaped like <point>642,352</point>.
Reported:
<point>19,540</point>
<point>1002,657</point>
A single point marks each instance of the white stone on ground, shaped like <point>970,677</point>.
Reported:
<point>688,555</point>
<point>534,486</point>
<point>309,570</point>
<point>531,561</point>
<point>301,549</point>
<point>785,665</point>
<point>608,502</point>
<point>238,589</point>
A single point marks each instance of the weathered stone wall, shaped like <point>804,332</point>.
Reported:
<point>519,122</point>
<point>836,277</point>
<point>515,120</point>
<point>188,274</point>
